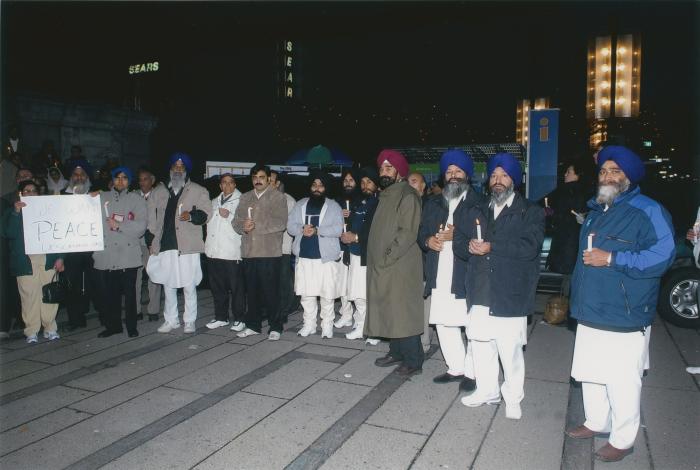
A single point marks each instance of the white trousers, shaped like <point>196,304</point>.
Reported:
<point>310,307</point>
<point>170,310</point>
<point>486,354</point>
<point>459,361</point>
<point>614,408</point>
<point>345,308</point>
<point>359,315</point>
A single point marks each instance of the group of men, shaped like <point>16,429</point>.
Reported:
<point>466,263</point>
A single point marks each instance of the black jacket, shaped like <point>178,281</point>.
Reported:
<point>509,273</point>
<point>564,249</point>
<point>435,213</point>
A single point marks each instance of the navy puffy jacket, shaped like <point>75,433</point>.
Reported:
<point>639,233</point>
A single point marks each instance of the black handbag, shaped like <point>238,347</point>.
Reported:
<point>55,291</point>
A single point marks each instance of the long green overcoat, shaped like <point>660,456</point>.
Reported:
<point>395,266</point>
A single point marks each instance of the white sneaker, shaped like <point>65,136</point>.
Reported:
<point>247,332</point>
<point>476,399</point>
<point>372,341</point>
<point>307,330</point>
<point>189,327</point>
<point>342,321</point>
<point>513,411</point>
<point>238,326</point>
<point>32,339</point>
<point>212,325</point>
<point>355,334</point>
<point>274,336</point>
<point>693,370</point>
<point>166,327</point>
<point>51,335</point>
<point>327,331</point>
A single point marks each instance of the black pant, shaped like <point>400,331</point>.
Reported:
<point>226,284</point>
<point>262,284</point>
<point>117,283</point>
<point>289,302</point>
<point>78,271</point>
<point>409,349</point>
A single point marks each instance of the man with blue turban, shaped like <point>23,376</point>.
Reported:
<point>500,238</point>
<point>175,220</point>
<point>625,246</point>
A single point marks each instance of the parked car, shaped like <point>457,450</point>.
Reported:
<point>678,297</point>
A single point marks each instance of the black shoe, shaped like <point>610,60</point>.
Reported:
<point>133,333</point>
<point>467,384</point>
<point>387,361</point>
<point>152,317</point>
<point>406,371</point>
<point>447,378</point>
<point>139,316</point>
<point>108,333</point>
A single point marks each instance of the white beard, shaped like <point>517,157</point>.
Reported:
<point>608,192</point>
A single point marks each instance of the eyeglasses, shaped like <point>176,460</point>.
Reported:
<point>29,191</point>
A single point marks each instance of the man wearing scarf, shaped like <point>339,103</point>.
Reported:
<point>355,238</point>
<point>395,268</point>
<point>175,220</point>
<point>444,273</point>
<point>123,224</point>
<point>500,238</point>
<point>316,223</point>
<point>625,246</point>
<point>55,183</point>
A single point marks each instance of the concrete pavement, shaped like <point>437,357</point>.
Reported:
<point>214,401</point>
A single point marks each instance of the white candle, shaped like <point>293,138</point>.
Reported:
<point>179,209</point>
<point>590,241</point>
<point>478,230</point>
<point>106,210</point>
<point>250,212</point>
<point>546,203</point>
<point>347,205</point>
<point>345,227</point>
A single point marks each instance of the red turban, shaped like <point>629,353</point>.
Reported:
<point>396,159</point>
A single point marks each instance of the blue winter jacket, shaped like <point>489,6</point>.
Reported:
<point>638,232</point>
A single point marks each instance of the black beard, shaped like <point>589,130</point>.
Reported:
<point>386,181</point>
<point>348,191</point>
<point>317,200</point>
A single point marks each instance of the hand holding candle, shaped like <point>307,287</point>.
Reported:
<point>478,231</point>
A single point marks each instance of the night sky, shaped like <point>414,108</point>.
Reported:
<point>374,74</point>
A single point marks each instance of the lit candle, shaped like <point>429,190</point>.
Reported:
<point>590,241</point>
<point>347,205</point>
<point>106,210</point>
<point>478,231</point>
<point>250,212</point>
<point>546,202</point>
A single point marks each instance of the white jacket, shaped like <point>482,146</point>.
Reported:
<point>222,241</point>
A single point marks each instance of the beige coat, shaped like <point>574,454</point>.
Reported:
<point>395,266</point>
<point>270,216</point>
<point>190,238</point>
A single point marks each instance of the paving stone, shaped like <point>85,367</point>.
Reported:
<point>71,444</point>
<point>549,353</point>
<point>362,370</point>
<point>37,377</point>
<point>374,447</point>
<point>229,369</point>
<point>39,428</point>
<point>19,368</point>
<point>418,404</point>
<point>25,409</point>
<point>456,440</point>
<point>328,351</point>
<point>533,442</point>
<point>687,340</point>
<point>19,349</point>
<point>128,390</point>
<point>127,370</point>
<point>205,433</point>
<point>338,339</point>
<point>663,352</point>
<point>672,418</point>
<point>284,434</point>
<point>291,379</point>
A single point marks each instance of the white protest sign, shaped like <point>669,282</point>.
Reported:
<point>62,224</point>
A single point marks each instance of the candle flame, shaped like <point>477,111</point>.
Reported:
<point>477,222</point>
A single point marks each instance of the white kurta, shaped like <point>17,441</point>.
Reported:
<point>174,270</point>
<point>313,277</point>
<point>445,308</point>
<point>357,279</point>
<point>485,327</point>
<point>600,356</point>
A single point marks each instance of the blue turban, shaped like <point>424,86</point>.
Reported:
<point>459,158</point>
<point>184,158</point>
<point>125,170</point>
<point>626,159</point>
<point>510,165</point>
<point>72,164</point>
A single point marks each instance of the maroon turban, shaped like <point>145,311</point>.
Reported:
<point>396,159</point>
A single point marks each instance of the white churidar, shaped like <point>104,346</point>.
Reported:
<point>310,306</point>
<point>170,308</point>
<point>459,361</point>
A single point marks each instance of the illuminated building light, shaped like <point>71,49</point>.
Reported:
<point>620,67</point>
<point>605,51</point>
<point>621,50</point>
<point>620,83</point>
<point>605,68</point>
<point>605,85</point>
